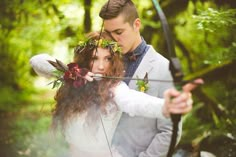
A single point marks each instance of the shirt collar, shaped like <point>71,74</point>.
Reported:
<point>138,51</point>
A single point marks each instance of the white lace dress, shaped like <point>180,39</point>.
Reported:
<point>86,143</point>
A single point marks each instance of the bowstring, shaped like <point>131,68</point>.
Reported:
<point>100,34</point>
<point>104,129</point>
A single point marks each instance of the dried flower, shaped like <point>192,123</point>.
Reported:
<point>74,75</point>
<point>47,66</point>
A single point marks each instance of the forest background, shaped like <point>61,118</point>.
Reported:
<point>205,42</point>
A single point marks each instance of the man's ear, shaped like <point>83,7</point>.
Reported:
<point>137,24</point>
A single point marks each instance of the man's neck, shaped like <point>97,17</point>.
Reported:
<point>137,43</point>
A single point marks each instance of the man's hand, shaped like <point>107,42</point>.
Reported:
<point>179,102</point>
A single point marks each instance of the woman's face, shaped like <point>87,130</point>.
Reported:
<point>101,61</point>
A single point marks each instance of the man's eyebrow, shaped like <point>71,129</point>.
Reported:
<point>106,31</point>
<point>113,30</point>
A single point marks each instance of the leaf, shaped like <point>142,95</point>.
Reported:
<point>58,65</point>
<point>145,79</point>
<point>62,65</point>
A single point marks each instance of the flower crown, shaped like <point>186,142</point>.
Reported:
<point>103,43</point>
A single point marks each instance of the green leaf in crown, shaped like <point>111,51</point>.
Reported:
<point>101,43</point>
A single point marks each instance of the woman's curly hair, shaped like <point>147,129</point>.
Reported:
<point>71,101</point>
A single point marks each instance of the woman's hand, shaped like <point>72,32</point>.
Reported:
<point>89,76</point>
<point>177,102</point>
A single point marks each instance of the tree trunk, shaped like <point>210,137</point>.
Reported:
<point>87,15</point>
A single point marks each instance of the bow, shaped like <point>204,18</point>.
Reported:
<point>175,69</point>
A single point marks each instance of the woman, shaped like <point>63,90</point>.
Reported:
<point>88,112</point>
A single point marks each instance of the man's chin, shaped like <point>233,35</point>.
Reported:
<point>124,51</point>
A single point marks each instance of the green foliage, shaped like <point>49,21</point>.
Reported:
<point>226,123</point>
<point>142,85</point>
<point>28,28</point>
<point>203,35</point>
<point>212,20</point>
<point>21,38</point>
<point>194,126</point>
<point>219,26</point>
<point>11,98</point>
<point>206,40</point>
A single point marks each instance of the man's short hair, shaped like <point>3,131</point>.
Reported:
<point>114,8</point>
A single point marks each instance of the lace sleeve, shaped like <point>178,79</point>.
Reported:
<point>137,103</point>
<point>41,65</point>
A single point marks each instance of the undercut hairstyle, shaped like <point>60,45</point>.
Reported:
<point>114,8</point>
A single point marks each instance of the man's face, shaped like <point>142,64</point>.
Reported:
<point>126,35</point>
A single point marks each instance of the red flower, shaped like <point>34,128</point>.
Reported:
<point>72,66</point>
<point>74,75</point>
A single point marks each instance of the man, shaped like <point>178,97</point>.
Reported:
<point>138,136</point>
